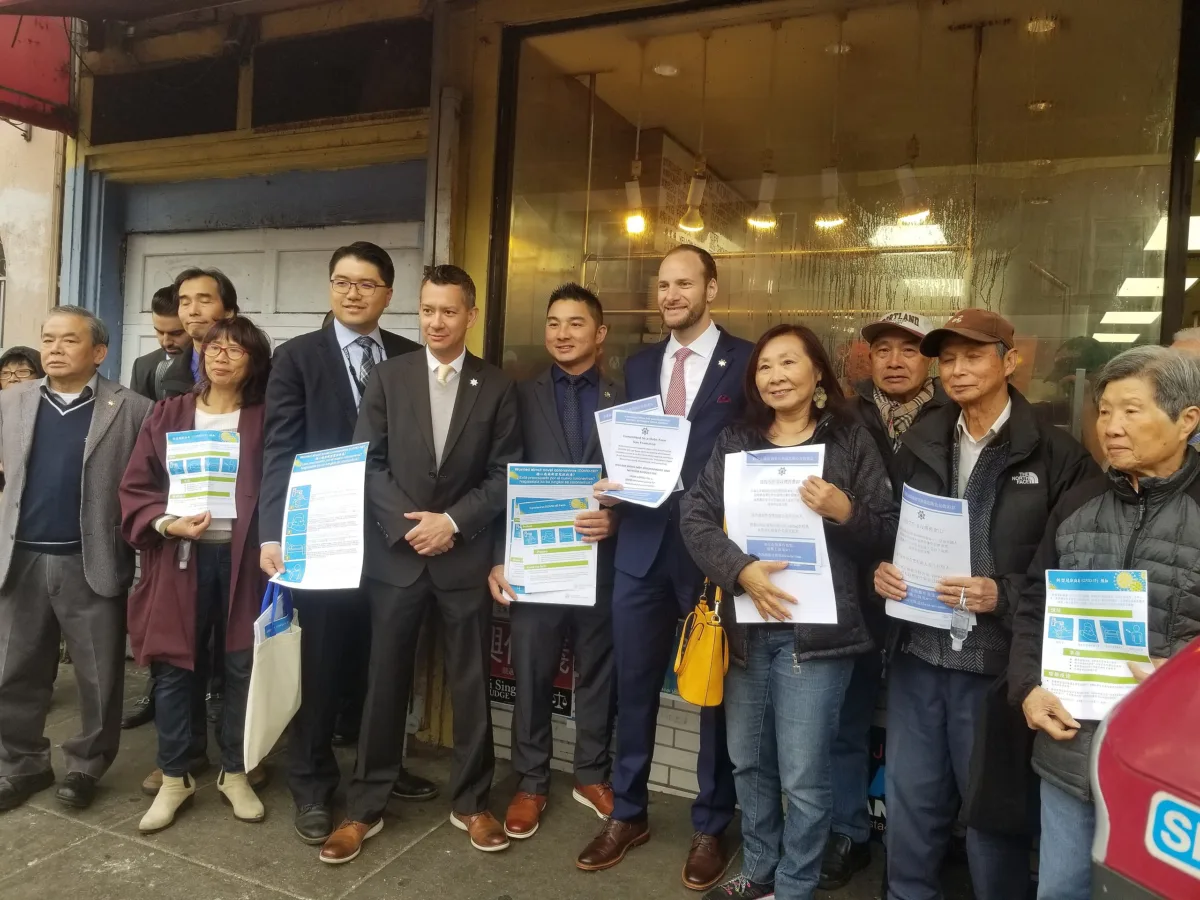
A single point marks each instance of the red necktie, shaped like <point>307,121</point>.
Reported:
<point>677,389</point>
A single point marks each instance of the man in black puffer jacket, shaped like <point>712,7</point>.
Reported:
<point>950,733</point>
<point>1144,514</point>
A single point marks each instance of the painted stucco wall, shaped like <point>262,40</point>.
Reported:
<point>29,217</point>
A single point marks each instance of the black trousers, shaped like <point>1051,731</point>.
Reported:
<point>396,617</point>
<point>334,649</point>
<point>537,633</point>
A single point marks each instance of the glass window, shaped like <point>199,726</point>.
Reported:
<point>915,156</point>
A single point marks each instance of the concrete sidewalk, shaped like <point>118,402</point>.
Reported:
<point>98,854</point>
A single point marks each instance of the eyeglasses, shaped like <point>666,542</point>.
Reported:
<point>16,375</point>
<point>365,288</point>
<point>231,351</point>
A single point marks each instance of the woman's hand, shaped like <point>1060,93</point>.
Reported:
<point>826,500</point>
<point>189,528</point>
<point>1141,671</point>
<point>889,582</point>
<point>769,600</point>
<point>1045,712</point>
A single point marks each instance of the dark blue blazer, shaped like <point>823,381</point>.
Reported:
<point>720,401</point>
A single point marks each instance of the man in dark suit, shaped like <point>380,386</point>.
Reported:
<point>698,371</point>
<point>202,296</point>
<point>150,370</point>
<point>442,427</point>
<point>317,381</point>
<point>558,426</point>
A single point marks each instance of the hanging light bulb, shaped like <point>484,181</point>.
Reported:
<point>763,217</point>
<point>692,221</point>
<point>635,221</point>
<point>830,216</point>
<point>913,211</point>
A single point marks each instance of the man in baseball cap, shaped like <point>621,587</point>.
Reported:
<point>988,447</point>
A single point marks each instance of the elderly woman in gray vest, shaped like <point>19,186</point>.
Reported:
<point>1144,513</point>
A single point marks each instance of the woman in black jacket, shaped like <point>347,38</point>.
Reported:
<point>784,693</point>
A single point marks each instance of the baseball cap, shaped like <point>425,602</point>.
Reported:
<point>974,324</point>
<point>918,326</point>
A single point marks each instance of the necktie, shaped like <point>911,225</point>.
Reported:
<point>444,371</point>
<point>677,390</point>
<point>572,418</point>
<point>366,365</point>
<point>160,372</point>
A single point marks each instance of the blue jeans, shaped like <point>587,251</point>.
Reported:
<point>781,724</point>
<point>851,754</point>
<point>932,718</point>
<point>1068,824</point>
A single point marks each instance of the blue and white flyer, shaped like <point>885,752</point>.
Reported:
<point>323,521</point>
<point>933,542</point>
<point>202,466</point>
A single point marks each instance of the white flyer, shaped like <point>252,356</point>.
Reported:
<point>323,521</point>
<point>527,483</point>
<point>933,542</point>
<point>1095,627</point>
<point>765,517</point>
<point>645,455</point>
<point>604,419</point>
<point>202,466</point>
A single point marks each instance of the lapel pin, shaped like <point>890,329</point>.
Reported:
<point>721,363</point>
<point>474,382</point>
<point>110,403</point>
<point>607,395</point>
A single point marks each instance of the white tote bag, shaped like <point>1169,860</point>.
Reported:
<point>275,678</point>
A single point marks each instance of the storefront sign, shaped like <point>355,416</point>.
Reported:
<point>502,683</point>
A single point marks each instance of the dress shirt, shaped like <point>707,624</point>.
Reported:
<point>589,397</point>
<point>457,364</point>
<point>694,366</point>
<point>352,354</point>
<point>67,399</point>
<point>969,448</point>
<point>197,351</point>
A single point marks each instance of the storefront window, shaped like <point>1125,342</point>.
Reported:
<point>921,156</point>
<point>1191,301</point>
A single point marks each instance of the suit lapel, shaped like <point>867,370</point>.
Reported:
<point>104,413</point>
<point>549,407</point>
<point>416,375</point>
<point>29,408</point>
<point>718,366</point>
<point>336,370</point>
<point>607,398</point>
<point>469,386</point>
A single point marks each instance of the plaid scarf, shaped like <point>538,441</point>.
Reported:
<point>897,417</point>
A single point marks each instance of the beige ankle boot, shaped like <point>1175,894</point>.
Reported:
<point>237,793</point>
<point>174,795</point>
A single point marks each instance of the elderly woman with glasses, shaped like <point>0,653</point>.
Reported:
<point>1144,513</point>
<point>19,364</point>
<point>200,568</point>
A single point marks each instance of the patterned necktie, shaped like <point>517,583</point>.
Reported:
<point>444,371</point>
<point>160,372</point>
<point>572,418</point>
<point>676,404</point>
<point>367,364</point>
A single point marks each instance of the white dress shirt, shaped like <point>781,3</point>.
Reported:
<point>969,449</point>
<point>694,366</point>
<point>352,354</point>
<point>456,365</point>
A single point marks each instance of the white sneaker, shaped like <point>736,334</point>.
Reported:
<point>237,793</point>
<point>174,795</point>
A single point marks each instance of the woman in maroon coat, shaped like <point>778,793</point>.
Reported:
<point>195,568</point>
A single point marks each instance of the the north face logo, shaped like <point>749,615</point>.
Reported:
<point>1025,478</point>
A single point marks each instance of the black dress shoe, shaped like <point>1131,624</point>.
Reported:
<point>843,858</point>
<point>413,787</point>
<point>314,823</point>
<point>78,790</point>
<point>16,789</point>
<point>138,713</point>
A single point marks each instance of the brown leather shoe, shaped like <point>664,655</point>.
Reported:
<point>612,843</point>
<point>524,813</point>
<point>596,797</point>
<point>706,862</point>
<point>486,833</point>
<point>258,777</point>
<point>346,843</point>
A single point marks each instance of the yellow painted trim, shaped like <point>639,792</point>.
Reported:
<point>333,17</point>
<point>233,154</point>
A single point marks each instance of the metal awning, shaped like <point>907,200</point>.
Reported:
<point>94,10</point>
<point>35,72</point>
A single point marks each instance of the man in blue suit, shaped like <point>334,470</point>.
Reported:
<point>698,371</point>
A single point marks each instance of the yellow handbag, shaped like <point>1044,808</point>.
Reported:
<point>703,655</point>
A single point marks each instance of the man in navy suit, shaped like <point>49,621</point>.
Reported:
<point>698,371</point>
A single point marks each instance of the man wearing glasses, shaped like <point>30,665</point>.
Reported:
<point>317,382</point>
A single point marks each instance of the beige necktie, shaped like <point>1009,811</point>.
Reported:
<point>443,372</point>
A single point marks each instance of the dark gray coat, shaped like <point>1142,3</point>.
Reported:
<point>852,463</point>
<point>1105,524</point>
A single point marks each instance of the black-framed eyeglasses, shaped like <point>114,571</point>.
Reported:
<point>17,375</point>
<point>232,352</point>
<point>365,288</point>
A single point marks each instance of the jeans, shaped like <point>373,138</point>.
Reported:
<point>175,688</point>
<point>932,717</point>
<point>851,753</point>
<point>1068,824</point>
<point>781,720</point>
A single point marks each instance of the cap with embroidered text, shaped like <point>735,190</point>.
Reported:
<point>974,324</point>
<point>917,326</point>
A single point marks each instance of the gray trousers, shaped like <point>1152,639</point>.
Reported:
<point>42,597</point>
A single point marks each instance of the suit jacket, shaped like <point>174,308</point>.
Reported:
<point>162,608</point>
<point>144,367</point>
<point>178,380</point>
<point>116,419</point>
<point>403,475</point>
<point>720,401</point>
<point>310,406</point>
<point>545,442</point>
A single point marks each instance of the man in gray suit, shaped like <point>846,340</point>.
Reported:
<point>64,441</point>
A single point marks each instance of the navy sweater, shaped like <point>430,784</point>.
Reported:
<point>49,517</point>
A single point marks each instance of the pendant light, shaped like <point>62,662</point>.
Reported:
<point>692,221</point>
<point>831,216</point>
<point>763,218</point>
<point>635,218</point>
